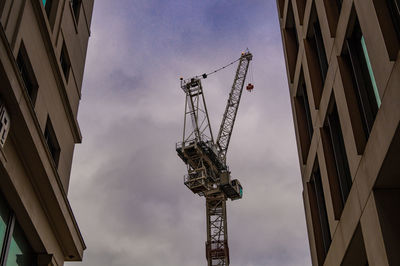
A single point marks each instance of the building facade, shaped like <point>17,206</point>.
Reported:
<point>43,47</point>
<point>342,60</point>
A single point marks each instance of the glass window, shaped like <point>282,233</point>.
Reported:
<point>64,61</point>
<point>52,142</point>
<point>370,72</point>
<point>47,6</point>
<point>20,252</point>
<point>394,9</point>
<point>4,217</point>
<point>316,56</point>
<point>76,4</point>
<point>27,74</point>
<point>319,217</point>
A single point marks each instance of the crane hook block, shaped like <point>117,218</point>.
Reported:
<point>250,87</point>
<point>204,76</point>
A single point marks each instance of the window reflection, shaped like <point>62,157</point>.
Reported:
<point>4,216</point>
<point>20,252</point>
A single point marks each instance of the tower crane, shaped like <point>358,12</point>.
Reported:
<point>208,174</point>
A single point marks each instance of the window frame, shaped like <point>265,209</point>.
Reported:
<point>52,142</point>
<point>27,74</point>
<point>319,215</point>
<point>76,6</point>
<point>303,118</point>
<point>11,227</point>
<point>315,53</point>
<point>65,62</point>
<point>366,97</point>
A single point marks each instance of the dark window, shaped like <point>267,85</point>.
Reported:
<point>303,117</point>
<point>333,8</point>
<point>291,41</point>
<point>301,7</point>
<point>356,254</point>
<point>15,248</point>
<point>394,8</point>
<point>76,6</point>
<point>65,63</point>
<point>319,216</point>
<point>336,159</point>
<point>47,6</point>
<point>339,4</point>
<point>387,202</point>
<point>355,55</point>
<point>316,56</point>
<point>281,5</point>
<point>27,74</point>
<point>390,28</point>
<point>52,142</point>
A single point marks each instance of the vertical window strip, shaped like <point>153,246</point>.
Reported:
<point>339,153</point>
<point>339,4</point>
<point>367,108</point>
<point>371,73</point>
<point>394,9</point>
<point>323,217</point>
<point>4,220</point>
<point>323,64</point>
<point>44,2</point>
<point>15,248</point>
<point>310,128</point>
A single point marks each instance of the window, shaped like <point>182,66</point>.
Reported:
<point>4,217</point>
<point>355,56</point>
<point>303,117</point>
<point>64,61</point>
<point>15,248</point>
<point>301,7</point>
<point>387,202</point>
<point>333,8</point>
<point>356,254</point>
<point>336,161</point>
<point>390,28</point>
<point>319,217</point>
<point>291,41</point>
<point>4,124</point>
<point>76,6</point>
<point>47,6</point>
<point>394,8</point>
<point>52,142</point>
<point>316,56</point>
<point>281,4</point>
<point>27,74</point>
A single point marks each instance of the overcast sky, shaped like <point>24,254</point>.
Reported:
<point>127,188</point>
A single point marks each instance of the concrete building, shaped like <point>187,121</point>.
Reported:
<point>342,59</point>
<point>43,47</point>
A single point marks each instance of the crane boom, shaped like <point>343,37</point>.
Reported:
<point>232,106</point>
<point>208,174</point>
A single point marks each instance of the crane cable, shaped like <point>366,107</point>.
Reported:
<point>205,75</point>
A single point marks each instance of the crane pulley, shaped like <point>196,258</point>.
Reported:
<point>208,175</point>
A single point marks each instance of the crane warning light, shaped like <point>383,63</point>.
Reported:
<point>250,87</point>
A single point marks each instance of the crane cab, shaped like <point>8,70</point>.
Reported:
<point>235,190</point>
<point>232,188</point>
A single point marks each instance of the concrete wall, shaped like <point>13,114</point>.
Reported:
<point>34,186</point>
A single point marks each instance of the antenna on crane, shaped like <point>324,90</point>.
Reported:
<point>208,174</point>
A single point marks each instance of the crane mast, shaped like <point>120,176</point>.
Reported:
<point>208,175</point>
